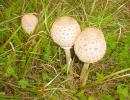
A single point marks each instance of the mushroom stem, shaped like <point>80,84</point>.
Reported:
<point>84,74</point>
<point>68,61</point>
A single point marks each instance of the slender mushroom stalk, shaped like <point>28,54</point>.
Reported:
<point>29,22</point>
<point>68,60</point>
<point>64,32</point>
<point>84,74</point>
<point>90,47</point>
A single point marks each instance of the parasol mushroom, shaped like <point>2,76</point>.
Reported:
<point>64,32</point>
<point>29,22</point>
<point>90,47</point>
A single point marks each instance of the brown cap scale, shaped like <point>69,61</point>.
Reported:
<point>29,22</point>
<point>90,47</point>
<point>64,32</point>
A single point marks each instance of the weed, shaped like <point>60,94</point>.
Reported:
<point>33,67</point>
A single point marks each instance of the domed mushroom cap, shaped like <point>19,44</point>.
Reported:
<point>64,31</point>
<point>29,22</point>
<point>90,45</point>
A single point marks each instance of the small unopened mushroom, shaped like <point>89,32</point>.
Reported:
<point>90,47</point>
<point>64,32</point>
<point>29,22</point>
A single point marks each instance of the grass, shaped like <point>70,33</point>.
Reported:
<point>33,67</point>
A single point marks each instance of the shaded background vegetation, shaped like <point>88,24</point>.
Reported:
<point>33,67</point>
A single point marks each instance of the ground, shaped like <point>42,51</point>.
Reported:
<point>32,67</point>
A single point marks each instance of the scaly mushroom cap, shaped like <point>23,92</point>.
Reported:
<point>64,31</point>
<point>29,22</point>
<point>90,46</point>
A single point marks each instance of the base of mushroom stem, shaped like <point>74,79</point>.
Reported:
<point>70,71</point>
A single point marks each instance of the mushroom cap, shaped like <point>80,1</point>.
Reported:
<point>29,22</point>
<point>64,31</point>
<point>90,46</point>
